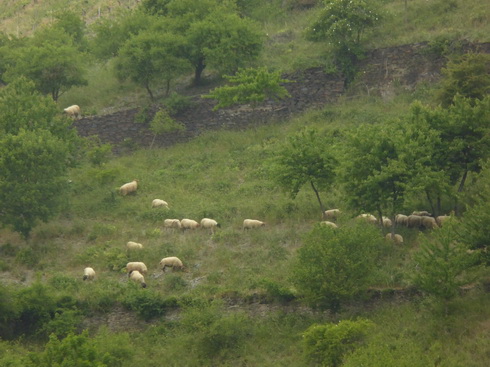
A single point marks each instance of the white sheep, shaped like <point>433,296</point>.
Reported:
<point>422,213</point>
<point>429,222</point>
<point>129,188</point>
<point>368,217</point>
<point>172,223</point>
<point>172,262</point>
<point>136,265</point>
<point>387,223</point>
<point>327,223</point>
<point>331,214</point>
<point>189,224</point>
<point>396,238</point>
<point>441,219</point>
<point>211,224</point>
<point>137,277</point>
<point>156,203</point>
<point>414,221</point>
<point>401,220</point>
<point>252,223</point>
<point>134,245</point>
<point>88,274</point>
<point>73,111</point>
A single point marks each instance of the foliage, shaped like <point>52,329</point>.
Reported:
<point>327,344</point>
<point>51,60</point>
<point>249,86</point>
<point>78,350</point>
<point>162,123</point>
<point>334,265</point>
<point>341,23</point>
<point>443,264</point>
<point>146,303</point>
<point>176,103</point>
<point>98,153</point>
<point>467,75</point>
<point>305,158</point>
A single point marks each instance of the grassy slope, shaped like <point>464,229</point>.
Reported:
<point>219,175</point>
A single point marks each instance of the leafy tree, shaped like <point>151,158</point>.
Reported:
<point>334,265</point>
<point>467,75</point>
<point>342,23</point>
<point>71,24</point>
<point>216,35</point>
<point>249,86</point>
<point>327,344</point>
<point>304,159</point>
<point>443,264</point>
<point>36,148</point>
<point>162,123</point>
<point>50,60</point>
<point>151,57</point>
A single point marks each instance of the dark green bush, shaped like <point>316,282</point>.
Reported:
<point>177,103</point>
<point>146,303</point>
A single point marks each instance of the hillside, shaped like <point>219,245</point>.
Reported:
<point>240,301</point>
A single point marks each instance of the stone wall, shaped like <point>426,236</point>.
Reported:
<point>380,71</point>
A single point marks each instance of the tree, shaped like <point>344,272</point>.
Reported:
<point>342,23</point>
<point>151,57</point>
<point>304,159</point>
<point>36,149</point>
<point>467,75</point>
<point>50,60</point>
<point>162,123</point>
<point>334,265</point>
<point>215,34</point>
<point>249,86</point>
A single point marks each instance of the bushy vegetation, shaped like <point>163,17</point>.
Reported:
<point>291,293</point>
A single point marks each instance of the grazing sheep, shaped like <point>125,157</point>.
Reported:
<point>134,245</point>
<point>396,238</point>
<point>429,223</point>
<point>171,223</point>
<point>128,188</point>
<point>441,219</point>
<point>158,203</point>
<point>369,217</point>
<point>141,267</point>
<point>422,213</point>
<point>387,223</point>
<point>401,220</point>
<point>327,223</point>
<point>331,214</point>
<point>137,277</point>
<point>189,224</point>
<point>414,221</point>
<point>210,223</point>
<point>252,223</point>
<point>88,274</point>
<point>171,262</point>
<point>73,111</point>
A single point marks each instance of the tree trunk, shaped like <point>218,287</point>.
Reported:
<point>198,71</point>
<point>432,208</point>
<point>463,180</point>
<point>147,86</point>
<point>318,198</point>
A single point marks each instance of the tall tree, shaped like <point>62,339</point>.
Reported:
<point>304,159</point>
<point>36,149</point>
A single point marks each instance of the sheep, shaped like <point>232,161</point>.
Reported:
<point>401,219</point>
<point>73,111</point>
<point>134,245</point>
<point>327,223</point>
<point>414,221</point>
<point>396,238</point>
<point>422,213</point>
<point>137,277</point>
<point>429,223</point>
<point>129,187</point>
<point>141,267</point>
<point>159,203</point>
<point>441,219</point>
<point>210,223</point>
<point>172,223</point>
<point>172,262</point>
<point>331,214</point>
<point>252,223</point>
<point>88,274</point>
<point>189,224</point>
<point>387,223</point>
<point>369,217</point>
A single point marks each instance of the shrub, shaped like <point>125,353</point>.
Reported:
<point>327,344</point>
<point>145,302</point>
<point>334,265</point>
<point>177,103</point>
